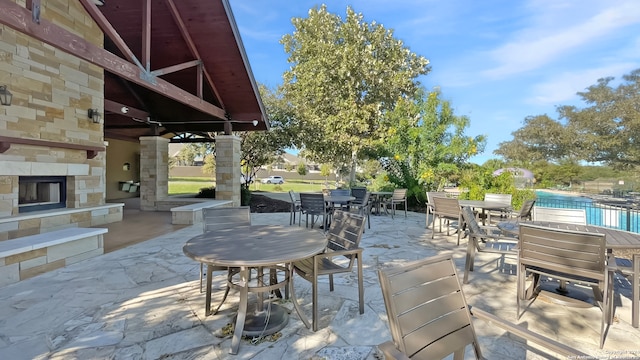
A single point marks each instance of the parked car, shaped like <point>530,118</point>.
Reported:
<point>273,180</point>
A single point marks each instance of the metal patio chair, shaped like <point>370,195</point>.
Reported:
<point>220,218</point>
<point>561,215</point>
<point>313,205</point>
<point>429,317</point>
<point>487,239</point>
<point>573,256</point>
<point>344,242</point>
<point>430,196</point>
<point>399,196</point>
<point>447,209</point>
<point>295,207</point>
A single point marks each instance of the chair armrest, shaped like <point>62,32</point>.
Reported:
<point>526,333</point>
<point>390,351</point>
<point>331,254</point>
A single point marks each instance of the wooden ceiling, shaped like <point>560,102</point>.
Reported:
<point>191,44</point>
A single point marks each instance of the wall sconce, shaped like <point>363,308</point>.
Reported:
<point>255,122</point>
<point>99,2</point>
<point>5,95</point>
<point>94,115</point>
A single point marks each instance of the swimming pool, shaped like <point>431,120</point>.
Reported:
<point>617,217</point>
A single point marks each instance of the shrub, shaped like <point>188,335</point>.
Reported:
<point>208,192</point>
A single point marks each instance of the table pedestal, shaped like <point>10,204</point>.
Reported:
<point>270,320</point>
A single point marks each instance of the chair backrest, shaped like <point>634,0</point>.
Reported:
<point>575,253</point>
<point>427,311</point>
<point>432,194</point>
<point>340,192</point>
<point>446,207</point>
<point>225,217</point>
<point>569,216</point>
<point>399,194</point>
<point>498,198</point>
<point>313,203</point>
<point>470,219</point>
<point>345,232</point>
<point>294,198</point>
<point>525,210</point>
<point>358,193</point>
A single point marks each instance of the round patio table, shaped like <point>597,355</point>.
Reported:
<point>255,246</point>
<point>378,196</point>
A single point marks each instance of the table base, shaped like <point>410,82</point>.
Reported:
<point>269,321</point>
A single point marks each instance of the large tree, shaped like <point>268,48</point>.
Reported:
<point>345,75</point>
<point>608,130</point>
<point>426,144</point>
<point>541,138</point>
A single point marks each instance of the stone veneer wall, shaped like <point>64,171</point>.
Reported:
<point>52,91</point>
<point>154,171</point>
<point>228,172</point>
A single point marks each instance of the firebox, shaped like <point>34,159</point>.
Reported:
<point>41,193</point>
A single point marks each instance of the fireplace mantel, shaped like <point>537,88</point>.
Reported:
<point>6,142</point>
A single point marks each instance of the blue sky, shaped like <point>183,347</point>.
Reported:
<point>496,61</point>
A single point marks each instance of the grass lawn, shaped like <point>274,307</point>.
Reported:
<point>181,186</point>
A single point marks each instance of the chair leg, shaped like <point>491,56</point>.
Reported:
<point>471,254</point>
<point>360,285</point>
<point>635,291</point>
<point>314,301</point>
<point>330,282</point>
<point>201,277</point>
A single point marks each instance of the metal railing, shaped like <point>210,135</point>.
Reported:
<point>621,215</point>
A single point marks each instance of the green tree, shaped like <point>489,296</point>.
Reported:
<point>345,75</point>
<point>209,166</point>
<point>302,169</point>
<point>541,138</point>
<point>260,148</point>
<point>426,144</point>
<point>325,170</point>
<point>609,128</point>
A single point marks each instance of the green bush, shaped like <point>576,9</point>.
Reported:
<point>208,192</point>
<point>245,196</point>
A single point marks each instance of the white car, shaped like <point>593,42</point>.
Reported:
<point>273,180</point>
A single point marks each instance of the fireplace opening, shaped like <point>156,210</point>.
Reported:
<point>41,193</point>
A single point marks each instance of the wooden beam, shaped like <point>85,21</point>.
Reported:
<point>178,67</point>
<point>108,30</point>
<point>19,18</point>
<point>116,107</point>
<point>146,35</point>
<point>6,142</point>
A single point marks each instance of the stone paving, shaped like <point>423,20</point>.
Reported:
<point>143,302</point>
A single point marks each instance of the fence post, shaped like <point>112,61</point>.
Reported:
<point>628,218</point>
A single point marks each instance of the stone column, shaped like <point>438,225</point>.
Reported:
<point>228,168</point>
<point>154,171</point>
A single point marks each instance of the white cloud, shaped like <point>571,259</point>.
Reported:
<point>545,41</point>
<point>563,87</point>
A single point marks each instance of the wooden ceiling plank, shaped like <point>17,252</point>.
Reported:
<point>19,18</point>
<point>194,51</point>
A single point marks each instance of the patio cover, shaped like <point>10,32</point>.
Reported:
<point>178,67</point>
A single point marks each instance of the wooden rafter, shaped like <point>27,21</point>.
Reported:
<point>19,18</point>
<point>194,51</point>
<point>146,35</point>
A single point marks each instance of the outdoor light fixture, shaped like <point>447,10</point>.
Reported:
<point>124,109</point>
<point>255,122</point>
<point>99,2</point>
<point>94,115</point>
<point>5,95</point>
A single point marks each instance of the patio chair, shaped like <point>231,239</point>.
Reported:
<point>525,211</point>
<point>429,317</point>
<point>399,196</point>
<point>487,239</point>
<point>221,218</point>
<point>561,215</point>
<point>358,193</point>
<point>631,269</point>
<point>573,256</point>
<point>430,196</point>
<point>447,209</point>
<point>498,198</point>
<point>363,207</point>
<point>340,205</point>
<point>344,242</point>
<point>295,207</point>
<point>313,205</point>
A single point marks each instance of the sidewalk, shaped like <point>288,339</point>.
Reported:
<point>143,302</point>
